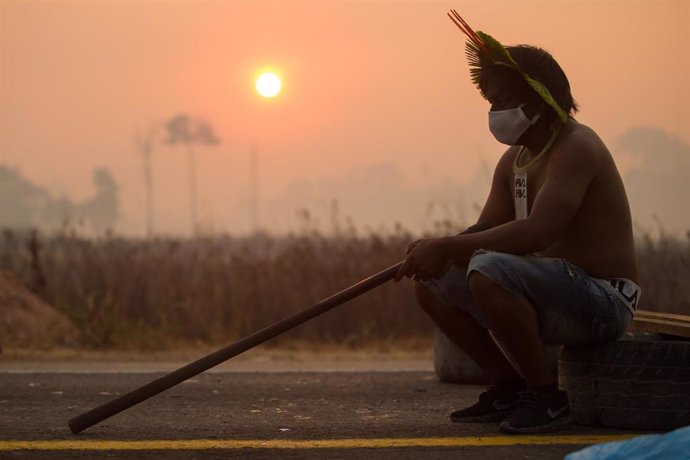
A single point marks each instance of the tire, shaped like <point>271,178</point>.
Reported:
<point>629,384</point>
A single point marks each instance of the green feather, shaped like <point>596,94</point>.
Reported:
<point>545,94</point>
<point>496,53</point>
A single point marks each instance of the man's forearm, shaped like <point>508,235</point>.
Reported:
<point>514,237</point>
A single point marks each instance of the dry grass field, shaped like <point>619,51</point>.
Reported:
<point>149,294</point>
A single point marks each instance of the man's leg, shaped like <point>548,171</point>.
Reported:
<point>501,398</point>
<point>468,334</point>
<point>514,323</point>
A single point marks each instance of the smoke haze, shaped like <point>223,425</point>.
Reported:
<point>378,123</point>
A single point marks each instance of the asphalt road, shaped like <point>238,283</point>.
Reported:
<point>246,414</point>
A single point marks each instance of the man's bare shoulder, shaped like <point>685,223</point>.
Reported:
<point>579,147</point>
<point>582,138</point>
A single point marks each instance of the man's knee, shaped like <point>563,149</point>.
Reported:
<point>443,314</point>
<point>498,265</point>
<point>481,285</point>
<point>499,305</point>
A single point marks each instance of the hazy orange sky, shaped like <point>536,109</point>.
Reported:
<point>376,96</point>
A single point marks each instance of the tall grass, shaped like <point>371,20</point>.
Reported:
<point>143,294</point>
<point>665,273</point>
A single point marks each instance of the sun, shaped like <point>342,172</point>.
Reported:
<point>268,84</point>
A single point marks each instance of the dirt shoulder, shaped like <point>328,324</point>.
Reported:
<point>258,360</point>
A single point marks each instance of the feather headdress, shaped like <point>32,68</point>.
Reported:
<point>482,49</point>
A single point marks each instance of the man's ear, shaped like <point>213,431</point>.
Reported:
<point>531,109</point>
<point>534,106</point>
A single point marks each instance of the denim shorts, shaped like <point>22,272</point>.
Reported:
<point>572,308</point>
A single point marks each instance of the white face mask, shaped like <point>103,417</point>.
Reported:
<point>508,125</point>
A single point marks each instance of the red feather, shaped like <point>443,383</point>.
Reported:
<point>467,30</point>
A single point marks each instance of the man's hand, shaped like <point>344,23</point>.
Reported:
<point>429,258</point>
<point>426,259</point>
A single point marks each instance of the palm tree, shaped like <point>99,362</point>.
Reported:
<point>185,130</point>
<point>145,142</point>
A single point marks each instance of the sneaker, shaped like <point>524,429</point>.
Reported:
<point>538,411</point>
<point>494,405</point>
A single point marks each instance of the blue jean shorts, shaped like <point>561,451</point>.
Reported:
<point>572,308</point>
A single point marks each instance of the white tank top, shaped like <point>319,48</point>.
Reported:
<point>520,195</point>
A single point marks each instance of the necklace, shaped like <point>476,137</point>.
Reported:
<point>547,147</point>
<point>520,172</point>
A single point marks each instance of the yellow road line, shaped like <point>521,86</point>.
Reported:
<point>208,444</point>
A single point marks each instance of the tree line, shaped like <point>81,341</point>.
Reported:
<point>25,205</point>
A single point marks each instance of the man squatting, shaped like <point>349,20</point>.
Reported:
<point>556,263</point>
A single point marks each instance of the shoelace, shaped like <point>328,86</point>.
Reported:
<point>490,393</point>
<point>529,398</point>
<point>486,394</point>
